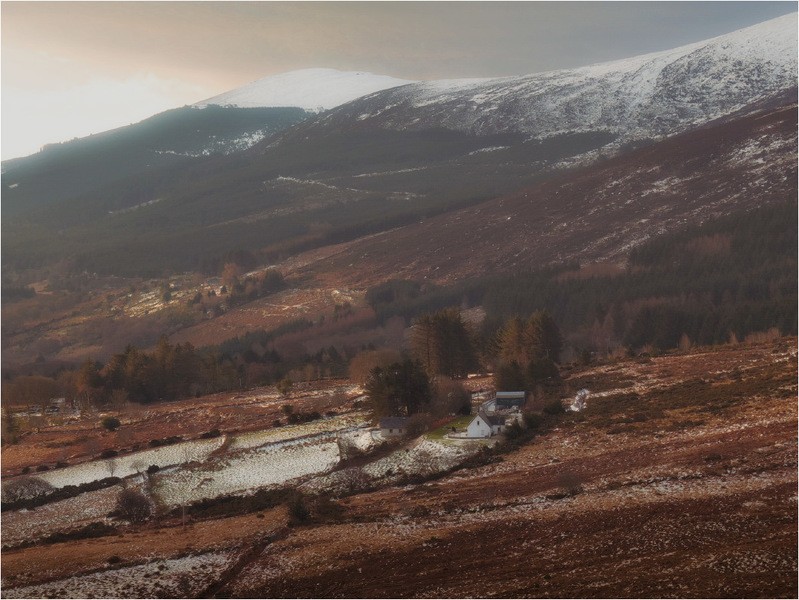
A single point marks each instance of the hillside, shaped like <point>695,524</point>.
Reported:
<point>677,480</point>
<point>146,154</point>
<point>596,214</point>
<point>642,97</point>
<point>393,157</point>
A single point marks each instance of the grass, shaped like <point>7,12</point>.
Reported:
<point>437,435</point>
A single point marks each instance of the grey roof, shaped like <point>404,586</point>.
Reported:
<point>491,419</point>
<point>511,394</point>
<point>393,422</point>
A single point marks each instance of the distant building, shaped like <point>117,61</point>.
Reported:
<point>510,399</point>
<point>485,425</point>
<point>393,426</point>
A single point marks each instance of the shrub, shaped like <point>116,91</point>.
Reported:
<point>533,421</point>
<point>23,488</point>
<point>108,453</point>
<point>110,423</point>
<point>133,506</point>
<point>284,386</point>
<point>298,510</point>
<point>153,469</point>
<point>210,434</point>
<point>554,408</point>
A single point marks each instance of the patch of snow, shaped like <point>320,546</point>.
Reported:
<point>170,578</point>
<point>310,89</point>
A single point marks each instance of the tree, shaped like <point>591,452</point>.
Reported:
<point>399,389</point>
<point>542,336</point>
<point>509,377</point>
<point>442,344</point>
<point>24,488</point>
<point>132,505</point>
<point>110,423</point>
<point>364,362</point>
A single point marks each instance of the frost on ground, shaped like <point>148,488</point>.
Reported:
<point>28,525</point>
<point>129,464</point>
<point>265,466</point>
<point>171,578</point>
<point>279,434</point>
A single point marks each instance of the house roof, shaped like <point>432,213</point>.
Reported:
<point>511,395</point>
<point>491,419</point>
<point>393,422</point>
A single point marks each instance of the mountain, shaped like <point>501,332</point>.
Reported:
<point>396,156</point>
<point>148,150</point>
<point>595,214</point>
<point>643,97</point>
<point>309,89</point>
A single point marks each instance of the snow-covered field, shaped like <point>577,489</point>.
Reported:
<point>269,436</point>
<point>268,465</point>
<point>27,525</point>
<point>171,578</point>
<point>129,464</point>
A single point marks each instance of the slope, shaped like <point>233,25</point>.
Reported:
<point>595,214</point>
<point>64,171</point>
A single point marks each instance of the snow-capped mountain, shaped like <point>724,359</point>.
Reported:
<point>309,89</point>
<point>647,96</point>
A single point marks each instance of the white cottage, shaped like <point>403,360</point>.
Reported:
<point>485,425</point>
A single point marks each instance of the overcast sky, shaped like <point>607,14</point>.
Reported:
<point>74,68</point>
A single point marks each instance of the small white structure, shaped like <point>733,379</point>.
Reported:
<point>485,425</point>
<point>393,426</point>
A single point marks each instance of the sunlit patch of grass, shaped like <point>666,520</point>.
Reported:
<point>437,435</point>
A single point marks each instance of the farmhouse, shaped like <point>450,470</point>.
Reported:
<point>393,426</point>
<point>485,425</point>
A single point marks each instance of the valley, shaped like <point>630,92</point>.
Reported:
<point>678,479</point>
<point>336,334</point>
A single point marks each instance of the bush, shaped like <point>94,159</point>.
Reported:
<point>298,510</point>
<point>24,488</point>
<point>110,423</point>
<point>533,421</point>
<point>109,453</point>
<point>210,434</point>
<point>554,408</point>
<point>153,469</point>
<point>133,506</point>
<point>284,386</point>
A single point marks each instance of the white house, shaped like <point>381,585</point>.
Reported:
<point>485,425</point>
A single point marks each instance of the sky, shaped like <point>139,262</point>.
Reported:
<point>70,69</point>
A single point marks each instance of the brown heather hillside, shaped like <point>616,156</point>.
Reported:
<point>678,480</point>
<point>596,213</point>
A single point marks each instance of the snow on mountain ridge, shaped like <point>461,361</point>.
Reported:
<point>309,89</point>
<point>651,95</point>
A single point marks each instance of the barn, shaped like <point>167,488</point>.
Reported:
<point>510,399</point>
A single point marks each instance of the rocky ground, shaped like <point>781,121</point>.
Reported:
<point>678,480</point>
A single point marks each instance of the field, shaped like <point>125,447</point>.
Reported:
<point>677,480</point>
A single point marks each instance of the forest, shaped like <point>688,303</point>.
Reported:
<point>714,283</point>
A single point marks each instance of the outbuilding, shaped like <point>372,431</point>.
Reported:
<point>393,426</point>
<point>510,400</point>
